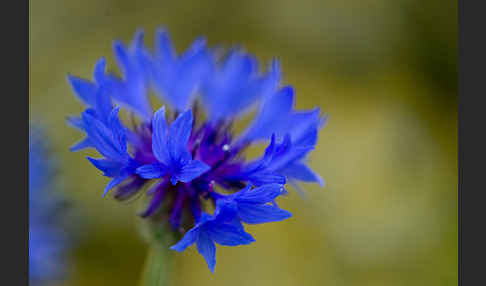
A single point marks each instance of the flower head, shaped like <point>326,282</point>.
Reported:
<point>188,158</point>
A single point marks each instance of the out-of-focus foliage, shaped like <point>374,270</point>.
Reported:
<point>384,71</point>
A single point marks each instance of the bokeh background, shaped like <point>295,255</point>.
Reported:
<point>384,71</point>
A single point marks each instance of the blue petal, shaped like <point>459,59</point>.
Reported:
<point>159,137</point>
<point>273,78</point>
<point>188,239</point>
<point>269,153</point>
<point>289,152</point>
<point>114,182</point>
<point>260,164</point>
<point>302,172</point>
<point>226,211</point>
<point>277,117</point>
<point>207,249</point>
<point>233,88</point>
<point>254,214</point>
<point>301,124</point>
<point>110,168</point>
<point>198,46</point>
<point>84,89</point>
<point>256,172</point>
<point>284,159</point>
<point>266,177</point>
<point>272,115</point>
<point>164,47</point>
<point>152,171</point>
<point>132,91</point>
<point>189,74</point>
<point>122,57</point>
<point>140,52</point>
<point>132,95</point>
<point>260,195</point>
<point>179,133</point>
<point>89,92</point>
<point>307,139</point>
<point>103,103</point>
<point>278,160</point>
<point>295,154</point>
<point>83,144</point>
<point>176,79</point>
<point>192,170</point>
<point>76,122</point>
<point>101,137</point>
<point>229,235</point>
<point>99,71</point>
<point>118,130</point>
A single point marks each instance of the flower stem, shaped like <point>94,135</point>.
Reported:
<point>157,267</point>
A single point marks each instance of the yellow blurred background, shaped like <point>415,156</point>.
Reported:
<point>384,71</point>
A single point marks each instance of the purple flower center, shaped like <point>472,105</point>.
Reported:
<point>209,142</point>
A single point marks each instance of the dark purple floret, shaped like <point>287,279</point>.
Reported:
<point>210,143</point>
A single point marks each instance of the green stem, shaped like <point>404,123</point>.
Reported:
<point>157,267</point>
<point>158,263</point>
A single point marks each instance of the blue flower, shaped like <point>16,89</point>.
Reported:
<point>251,206</point>
<point>170,148</point>
<point>48,243</point>
<point>220,228</point>
<point>189,157</point>
<point>257,205</point>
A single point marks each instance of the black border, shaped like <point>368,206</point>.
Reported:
<point>15,142</point>
<point>472,142</point>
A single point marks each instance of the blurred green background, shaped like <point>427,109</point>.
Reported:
<point>384,71</point>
